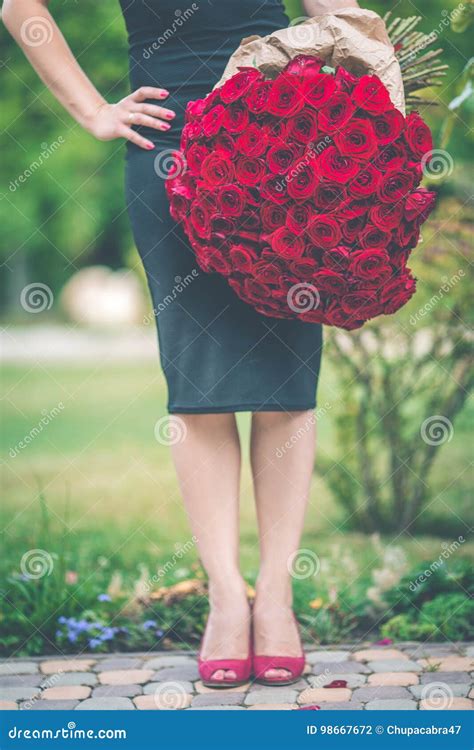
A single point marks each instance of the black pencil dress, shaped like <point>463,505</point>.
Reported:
<point>218,354</point>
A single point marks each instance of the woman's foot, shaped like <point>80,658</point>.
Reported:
<point>227,634</point>
<point>275,630</point>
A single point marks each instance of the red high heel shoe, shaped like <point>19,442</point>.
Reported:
<point>292,664</point>
<point>241,667</point>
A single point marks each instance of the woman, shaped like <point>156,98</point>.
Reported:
<point>218,354</point>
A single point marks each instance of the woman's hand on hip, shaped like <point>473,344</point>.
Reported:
<point>116,120</point>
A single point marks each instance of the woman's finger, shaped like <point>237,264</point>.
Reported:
<point>154,111</point>
<point>149,92</point>
<point>136,138</point>
<point>137,118</point>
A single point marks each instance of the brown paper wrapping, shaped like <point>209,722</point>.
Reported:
<point>352,37</point>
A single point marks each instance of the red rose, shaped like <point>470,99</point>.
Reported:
<point>319,90</point>
<point>305,67</point>
<point>211,100</point>
<point>391,156</point>
<point>305,267</point>
<point>212,120</point>
<point>303,127</point>
<point>335,113</point>
<point>236,117</point>
<point>222,226</point>
<point>217,170</point>
<point>324,231</point>
<point>287,244</point>
<point>337,258</point>
<point>224,144</point>
<point>386,216</point>
<point>330,281</point>
<point>394,186</point>
<point>195,156</point>
<point>361,305</point>
<point>298,217</point>
<point>328,196</point>
<point>242,258</point>
<point>249,171</point>
<point>195,109</point>
<point>370,94</point>
<point>336,316</point>
<point>285,96</point>
<point>418,135</point>
<point>231,200</point>
<point>335,167</point>
<point>234,88</point>
<point>351,228</point>
<point>365,182</point>
<point>374,237</point>
<point>267,273</point>
<point>301,180</point>
<point>200,220</point>
<point>273,188</point>
<point>419,204</point>
<point>407,235</point>
<point>253,141</point>
<point>255,290</point>
<point>257,98</point>
<point>388,126</point>
<point>216,262</point>
<point>357,139</point>
<point>351,209</point>
<point>373,265</point>
<point>190,132</point>
<point>273,216</point>
<point>345,81</point>
<point>397,292</point>
<point>280,159</point>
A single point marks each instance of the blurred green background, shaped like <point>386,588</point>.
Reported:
<point>97,491</point>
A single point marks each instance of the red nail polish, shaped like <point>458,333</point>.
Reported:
<point>150,146</point>
<point>165,126</point>
<point>170,116</point>
<point>165,93</point>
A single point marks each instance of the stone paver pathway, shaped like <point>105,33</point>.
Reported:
<point>396,677</point>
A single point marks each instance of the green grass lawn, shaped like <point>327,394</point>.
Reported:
<point>112,504</point>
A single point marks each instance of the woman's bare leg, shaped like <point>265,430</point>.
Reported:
<point>208,467</point>
<point>282,456</point>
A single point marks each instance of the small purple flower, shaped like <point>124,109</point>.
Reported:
<point>149,624</point>
<point>104,598</point>
<point>94,643</point>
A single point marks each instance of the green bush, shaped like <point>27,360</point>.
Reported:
<point>449,617</point>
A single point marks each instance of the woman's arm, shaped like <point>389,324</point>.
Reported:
<point>320,7</point>
<point>29,22</point>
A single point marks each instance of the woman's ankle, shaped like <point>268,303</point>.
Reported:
<point>229,591</point>
<point>272,588</point>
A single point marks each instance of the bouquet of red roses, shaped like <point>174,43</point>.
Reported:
<point>303,191</point>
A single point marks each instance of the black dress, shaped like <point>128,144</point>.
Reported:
<point>218,354</point>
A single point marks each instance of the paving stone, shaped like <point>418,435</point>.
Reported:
<point>391,705</point>
<point>21,680</point>
<point>108,665</point>
<point>324,695</point>
<point>456,690</point>
<point>449,664</point>
<point>299,685</point>
<point>66,665</point>
<point>394,665</point>
<point>342,706</point>
<point>457,704</point>
<point>273,707</point>
<point>106,704</point>
<point>151,703</point>
<point>471,693</point>
<point>274,695</point>
<point>183,672</point>
<point>353,680</point>
<point>400,679</point>
<point>200,688</point>
<point>125,677</point>
<point>448,677</point>
<point>66,693</point>
<point>375,654</point>
<point>160,662</point>
<point>366,694</point>
<point>18,693</point>
<point>117,691</point>
<point>323,656</point>
<point>340,667</point>
<point>8,706</point>
<point>206,699</point>
<point>49,705</point>
<point>425,652</point>
<point>217,708</point>
<point>69,678</point>
<point>181,686</point>
<point>18,667</point>
<point>470,651</point>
